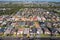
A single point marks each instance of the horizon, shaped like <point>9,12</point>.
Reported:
<point>32,0</point>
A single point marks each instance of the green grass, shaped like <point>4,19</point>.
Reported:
<point>45,35</point>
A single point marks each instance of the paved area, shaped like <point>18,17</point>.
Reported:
<point>12,38</point>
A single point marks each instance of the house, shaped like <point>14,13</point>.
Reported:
<point>39,31</point>
<point>15,24</point>
<point>35,18</point>
<point>1,19</point>
<point>20,31</point>
<point>26,30</point>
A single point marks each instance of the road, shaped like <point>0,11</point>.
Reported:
<point>24,38</point>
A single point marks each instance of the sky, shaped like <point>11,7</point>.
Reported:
<point>32,0</point>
